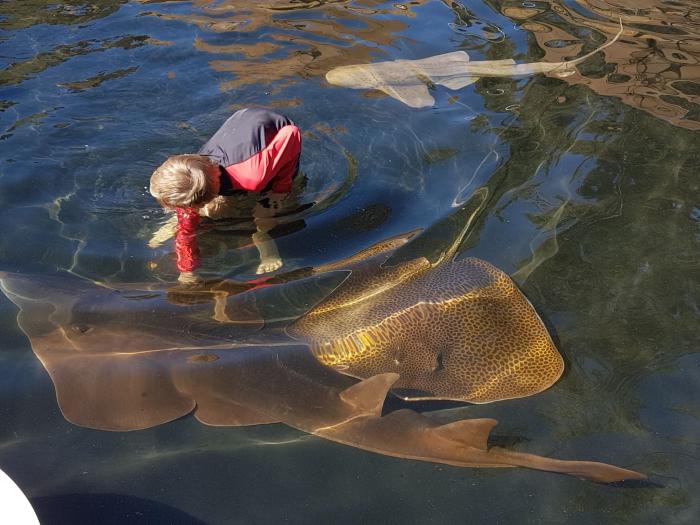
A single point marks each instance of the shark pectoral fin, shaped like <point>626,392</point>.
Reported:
<point>469,432</point>
<point>368,396</point>
<point>112,392</point>
<point>458,82</point>
<point>414,95</point>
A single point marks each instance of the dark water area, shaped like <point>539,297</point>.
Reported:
<point>593,207</point>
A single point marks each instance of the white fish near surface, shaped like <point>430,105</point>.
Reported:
<point>408,80</point>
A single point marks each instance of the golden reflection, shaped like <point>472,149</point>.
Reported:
<point>654,66</point>
<point>297,39</point>
<point>28,13</point>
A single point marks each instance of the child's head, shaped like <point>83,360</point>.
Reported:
<point>185,181</point>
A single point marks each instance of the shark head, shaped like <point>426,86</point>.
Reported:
<point>354,77</point>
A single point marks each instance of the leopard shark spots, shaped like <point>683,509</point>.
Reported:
<point>461,330</point>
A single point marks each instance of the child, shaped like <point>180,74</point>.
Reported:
<point>255,150</point>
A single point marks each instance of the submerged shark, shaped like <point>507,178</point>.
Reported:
<point>409,80</point>
<point>126,357</point>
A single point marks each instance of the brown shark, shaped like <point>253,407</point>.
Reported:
<point>129,358</point>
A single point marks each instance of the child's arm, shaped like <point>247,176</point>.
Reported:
<point>186,247</point>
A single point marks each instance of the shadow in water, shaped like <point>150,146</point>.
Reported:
<point>107,509</point>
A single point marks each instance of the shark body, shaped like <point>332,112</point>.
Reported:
<point>129,358</point>
<point>408,80</point>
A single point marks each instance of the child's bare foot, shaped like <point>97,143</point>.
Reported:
<point>269,264</point>
<point>270,259</point>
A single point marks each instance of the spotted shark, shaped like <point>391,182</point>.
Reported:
<point>132,356</point>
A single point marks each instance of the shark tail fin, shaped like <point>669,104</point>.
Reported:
<point>368,396</point>
<point>566,68</point>
<point>469,432</point>
<point>589,470</point>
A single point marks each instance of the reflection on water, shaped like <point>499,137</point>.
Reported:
<point>20,15</point>
<point>592,206</point>
<point>292,39</point>
<point>654,67</point>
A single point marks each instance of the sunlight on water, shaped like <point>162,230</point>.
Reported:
<point>583,188</point>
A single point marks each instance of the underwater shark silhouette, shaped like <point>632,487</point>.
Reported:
<point>408,80</point>
<point>129,357</point>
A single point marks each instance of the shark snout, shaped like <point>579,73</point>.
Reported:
<point>335,76</point>
<point>349,76</point>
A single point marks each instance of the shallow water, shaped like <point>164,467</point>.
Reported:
<point>594,210</point>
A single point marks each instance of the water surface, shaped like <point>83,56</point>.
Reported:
<point>594,209</point>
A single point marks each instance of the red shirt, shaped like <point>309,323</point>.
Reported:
<point>186,246</point>
<point>274,167</point>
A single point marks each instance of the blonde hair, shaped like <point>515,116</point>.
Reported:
<point>185,181</point>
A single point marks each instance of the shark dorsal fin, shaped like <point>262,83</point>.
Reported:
<point>469,432</point>
<point>437,67</point>
<point>438,63</point>
<point>368,396</point>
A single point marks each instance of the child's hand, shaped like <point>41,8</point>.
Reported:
<point>166,231</point>
<point>189,278</point>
